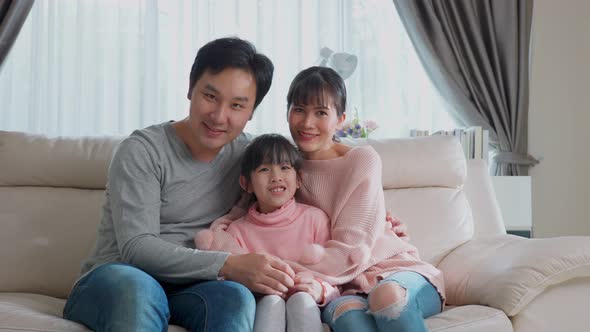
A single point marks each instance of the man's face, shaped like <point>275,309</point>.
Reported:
<point>221,105</point>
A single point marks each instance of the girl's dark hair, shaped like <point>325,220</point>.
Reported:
<point>314,83</point>
<point>269,149</point>
<point>233,52</point>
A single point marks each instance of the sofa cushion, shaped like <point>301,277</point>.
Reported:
<point>46,232</point>
<point>35,160</point>
<point>430,161</point>
<point>469,318</point>
<point>438,219</point>
<point>32,312</point>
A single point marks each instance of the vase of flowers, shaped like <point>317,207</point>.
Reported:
<point>356,128</point>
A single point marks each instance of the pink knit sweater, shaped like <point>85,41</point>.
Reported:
<point>363,249</point>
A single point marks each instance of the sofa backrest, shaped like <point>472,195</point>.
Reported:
<point>52,190</point>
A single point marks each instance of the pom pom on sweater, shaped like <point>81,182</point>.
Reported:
<point>312,254</point>
<point>204,239</point>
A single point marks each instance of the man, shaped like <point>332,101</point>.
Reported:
<point>165,183</point>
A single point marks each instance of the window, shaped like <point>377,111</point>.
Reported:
<point>107,67</point>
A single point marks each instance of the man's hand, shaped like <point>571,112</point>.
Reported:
<point>261,273</point>
<point>308,285</point>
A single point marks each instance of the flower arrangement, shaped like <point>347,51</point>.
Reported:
<point>356,129</point>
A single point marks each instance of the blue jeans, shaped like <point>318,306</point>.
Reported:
<point>120,297</point>
<point>422,301</point>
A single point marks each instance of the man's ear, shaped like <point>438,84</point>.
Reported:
<point>189,94</point>
<point>244,184</point>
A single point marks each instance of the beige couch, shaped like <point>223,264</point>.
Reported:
<point>51,191</point>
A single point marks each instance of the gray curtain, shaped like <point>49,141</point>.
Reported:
<point>477,53</point>
<point>13,14</point>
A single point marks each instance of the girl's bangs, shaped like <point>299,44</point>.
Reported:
<point>278,154</point>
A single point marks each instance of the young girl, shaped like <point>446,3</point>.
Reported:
<point>386,286</point>
<point>277,225</point>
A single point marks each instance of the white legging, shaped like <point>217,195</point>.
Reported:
<point>299,313</point>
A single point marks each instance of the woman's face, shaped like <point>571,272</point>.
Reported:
<point>313,126</point>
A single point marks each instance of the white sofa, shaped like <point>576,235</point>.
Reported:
<point>51,192</point>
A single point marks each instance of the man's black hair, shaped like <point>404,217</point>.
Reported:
<point>233,52</point>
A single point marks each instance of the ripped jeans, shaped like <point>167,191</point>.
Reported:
<point>418,300</point>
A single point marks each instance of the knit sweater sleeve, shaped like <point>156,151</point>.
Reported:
<point>322,236</point>
<point>321,227</point>
<point>225,237</point>
<point>358,224</point>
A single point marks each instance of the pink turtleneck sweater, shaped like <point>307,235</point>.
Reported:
<point>284,233</point>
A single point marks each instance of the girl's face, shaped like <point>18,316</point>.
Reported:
<point>273,184</point>
<point>313,128</point>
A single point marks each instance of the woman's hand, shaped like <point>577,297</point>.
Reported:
<point>308,285</point>
<point>400,229</point>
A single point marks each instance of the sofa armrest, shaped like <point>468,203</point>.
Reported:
<point>507,272</point>
<point>562,307</point>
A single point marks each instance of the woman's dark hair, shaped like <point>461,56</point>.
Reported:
<point>314,83</point>
<point>233,52</point>
<point>269,149</point>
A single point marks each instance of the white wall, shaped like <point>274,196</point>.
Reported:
<point>559,118</point>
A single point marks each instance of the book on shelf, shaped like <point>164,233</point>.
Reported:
<point>485,143</point>
<point>418,132</point>
<point>474,140</point>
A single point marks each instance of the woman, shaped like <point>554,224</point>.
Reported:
<point>386,285</point>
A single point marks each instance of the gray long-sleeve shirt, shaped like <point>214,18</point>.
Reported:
<point>157,198</point>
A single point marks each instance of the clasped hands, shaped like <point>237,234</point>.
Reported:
<point>269,275</point>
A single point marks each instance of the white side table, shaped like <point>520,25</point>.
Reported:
<point>514,197</point>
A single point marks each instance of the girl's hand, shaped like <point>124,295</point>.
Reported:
<point>308,285</point>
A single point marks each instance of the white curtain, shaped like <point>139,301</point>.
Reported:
<point>107,67</point>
